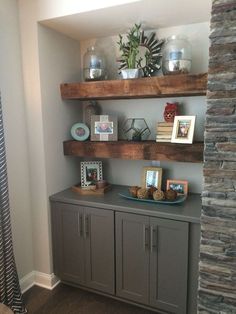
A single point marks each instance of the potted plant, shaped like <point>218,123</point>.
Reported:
<point>130,61</point>
<point>140,53</point>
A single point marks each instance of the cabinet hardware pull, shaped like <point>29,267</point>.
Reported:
<point>153,239</point>
<point>146,238</point>
<point>80,225</point>
<point>86,228</point>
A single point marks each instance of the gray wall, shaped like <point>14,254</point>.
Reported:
<point>11,86</point>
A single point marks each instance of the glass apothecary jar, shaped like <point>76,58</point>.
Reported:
<point>176,55</point>
<point>94,65</point>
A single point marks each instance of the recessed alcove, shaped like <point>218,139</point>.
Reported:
<point>152,108</point>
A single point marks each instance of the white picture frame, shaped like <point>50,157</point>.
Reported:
<point>183,129</point>
<point>91,172</point>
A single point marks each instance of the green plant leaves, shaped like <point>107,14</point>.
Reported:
<point>130,57</point>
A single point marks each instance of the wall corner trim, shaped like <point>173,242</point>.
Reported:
<point>48,281</point>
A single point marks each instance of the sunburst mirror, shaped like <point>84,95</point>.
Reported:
<point>140,51</point>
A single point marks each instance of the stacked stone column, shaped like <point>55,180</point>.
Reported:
<point>217,269</point>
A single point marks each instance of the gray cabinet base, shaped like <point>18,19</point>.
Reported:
<point>66,210</point>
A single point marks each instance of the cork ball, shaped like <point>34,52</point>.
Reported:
<point>151,190</point>
<point>133,190</point>
<point>142,193</point>
<point>171,195</point>
<point>158,195</point>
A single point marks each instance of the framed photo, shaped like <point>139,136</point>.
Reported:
<point>91,172</point>
<point>103,128</point>
<point>181,187</point>
<point>152,176</point>
<point>183,129</point>
<point>80,132</point>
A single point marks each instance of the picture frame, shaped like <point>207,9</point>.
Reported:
<point>79,132</point>
<point>183,129</point>
<point>180,186</point>
<point>104,128</point>
<point>152,176</point>
<point>91,172</point>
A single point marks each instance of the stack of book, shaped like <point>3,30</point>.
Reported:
<point>164,131</point>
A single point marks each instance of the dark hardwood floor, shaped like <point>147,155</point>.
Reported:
<point>69,300</point>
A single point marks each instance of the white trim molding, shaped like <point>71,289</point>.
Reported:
<point>39,279</point>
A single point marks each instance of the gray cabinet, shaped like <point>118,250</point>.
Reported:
<point>99,249</point>
<point>132,257</point>
<point>83,245</point>
<point>168,265</point>
<point>145,254</point>
<point>152,261</point>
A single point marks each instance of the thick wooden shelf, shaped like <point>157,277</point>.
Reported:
<point>145,150</point>
<point>149,87</point>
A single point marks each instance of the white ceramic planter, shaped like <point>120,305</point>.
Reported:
<point>130,73</point>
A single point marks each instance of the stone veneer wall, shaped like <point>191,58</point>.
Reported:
<point>217,281</point>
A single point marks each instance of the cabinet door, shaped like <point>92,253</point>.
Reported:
<point>99,247</point>
<point>132,257</point>
<point>168,265</point>
<point>68,242</point>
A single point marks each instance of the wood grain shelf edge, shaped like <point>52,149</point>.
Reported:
<point>149,87</point>
<point>145,150</point>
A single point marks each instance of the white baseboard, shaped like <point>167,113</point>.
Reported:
<point>39,279</point>
<point>27,282</point>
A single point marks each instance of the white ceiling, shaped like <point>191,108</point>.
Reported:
<point>153,14</point>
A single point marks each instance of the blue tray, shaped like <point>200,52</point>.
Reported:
<point>179,199</point>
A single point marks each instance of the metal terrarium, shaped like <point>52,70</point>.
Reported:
<point>135,129</point>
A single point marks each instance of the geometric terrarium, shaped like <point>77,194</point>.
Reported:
<point>135,129</point>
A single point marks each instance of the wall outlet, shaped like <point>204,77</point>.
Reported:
<point>156,163</point>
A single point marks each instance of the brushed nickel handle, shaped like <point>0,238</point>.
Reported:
<point>86,226</point>
<point>153,239</point>
<point>80,225</point>
<point>146,238</point>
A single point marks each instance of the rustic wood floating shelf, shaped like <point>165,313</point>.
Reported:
<point>145,150</point>
<point>149,87</point>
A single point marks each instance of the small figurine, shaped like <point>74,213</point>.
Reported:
<point>171,110</point>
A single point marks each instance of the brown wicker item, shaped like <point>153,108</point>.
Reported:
<point>133,190</point>
<point>158,195</point>
<point>171,195</point>
<point>142,193</point>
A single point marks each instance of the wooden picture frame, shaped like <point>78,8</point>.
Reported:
<point>152,176</point>
<point>104,128</point>
<point>183,129</point>
<point>180,186</point>
<point>91,172</point>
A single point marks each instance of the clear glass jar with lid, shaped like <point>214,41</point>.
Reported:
<point>176,55</point>
<point>93,65</point>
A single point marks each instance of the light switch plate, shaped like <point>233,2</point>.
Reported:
<point>156,163</point>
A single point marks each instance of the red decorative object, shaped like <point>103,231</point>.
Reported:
<point>171,110</point>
